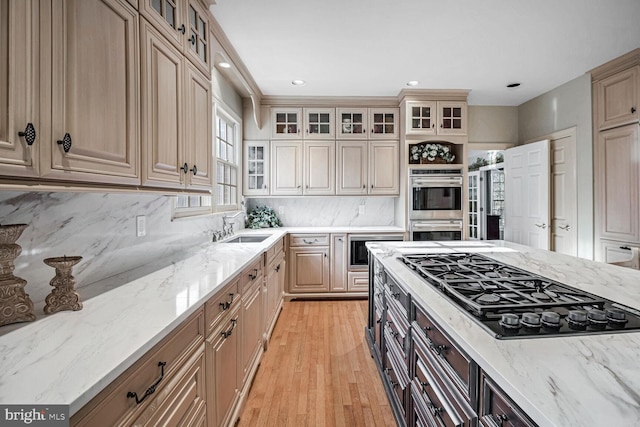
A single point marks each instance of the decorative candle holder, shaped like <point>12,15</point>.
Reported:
<point>63,296</point>
<point>15,304</point>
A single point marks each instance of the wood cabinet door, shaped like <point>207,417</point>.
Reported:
<point>167,16</point>
<point>384,176</point>
<point>384,123</point>
<point>319,168</point>
<point>198,119</point>
<point>223,371</point>
<point>358,281</point>
<point>352,123</point>
<point>616,183</point>
<point>162,131</point>
<point>286,168</point>
<point>95,93</point>
<point>452,118</point>
<point>273,292</point>
<point>338,262</point>
<point>351,166</point>
<point>256,168</point>
<point>196,39</point>
<point>19,72</point>
<point>309,271</point>
<point>421,118</point>
<point>251,328</point>
<point>617,99</point>
<point>319,123</point>
<point>286,123</point>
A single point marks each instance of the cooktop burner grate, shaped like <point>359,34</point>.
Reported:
<point>512,302</point>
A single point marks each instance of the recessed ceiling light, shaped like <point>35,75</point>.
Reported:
<point>413,83</point>
<point>298,82</point>
<point>513,85</point>
<point>224,64</point>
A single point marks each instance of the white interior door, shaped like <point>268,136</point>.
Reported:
<point>564,234</point>
<point>527,213</point>
<point>475,231</point>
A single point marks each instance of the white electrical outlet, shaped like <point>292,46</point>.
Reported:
<point>280,210</point>
<point>141,226</point>
<point>360,209</point>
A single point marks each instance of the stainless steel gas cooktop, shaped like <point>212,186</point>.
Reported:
<point>513,303</point>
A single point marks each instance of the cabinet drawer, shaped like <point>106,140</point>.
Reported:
<point>251,275</point>
<point>274,251</point>
<point>182,401</point>
<point>397,328</point>
<point>395,377</point>
<point>221,304</point>
<point>113,407</point>
<point>442,398</point>
<point>454,362</point>
<point>496,409</point>
<point>309,240</point>
<point>397,297</point>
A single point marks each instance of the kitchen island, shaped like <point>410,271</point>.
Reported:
<point>576,380</point>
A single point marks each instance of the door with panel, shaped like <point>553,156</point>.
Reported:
<point>309,271</point>
<point>286,168</point>
<point>19,115</point>
<point>352,167</point>
<point>319,168</point>
<point>384,175</point>
<point>617,99</point>
<point>95,135</point>
<point>198,118</point>
<point>564,230</point>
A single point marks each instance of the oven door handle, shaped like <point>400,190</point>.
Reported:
<point>417,182</point>
<point>456,225</point>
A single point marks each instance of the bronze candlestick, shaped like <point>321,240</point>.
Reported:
<point>63,296</point>
<point>15,304</point>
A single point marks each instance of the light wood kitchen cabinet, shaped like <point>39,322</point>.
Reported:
<point>436,118</point>
<point>176,109</point>
<point>358,281</point>
<point>319,123</point>
<point>368,167</point>
<point>20,128</point>
<point>612,251</point>
<point>185,24</point>
<point>309,263</point>
<point>256,166</point>
<point>338,262</point>
<point>251,324</point>
<point>319,168</point>
<point>367,123</point>
<point>165,387</point>
<point>273,287</point>
<point>286,123</point>
<point>616,183</point>
<point>94,127</point>
<point>617,99</point>
<point>286,168</point>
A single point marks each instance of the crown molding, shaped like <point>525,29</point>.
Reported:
<point>616,65</point>
<point>331,101</point>
<point>432,95</point>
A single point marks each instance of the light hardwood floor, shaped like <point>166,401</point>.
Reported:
<point>318,371</point>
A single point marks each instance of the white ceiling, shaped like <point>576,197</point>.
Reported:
<point>373,47</point>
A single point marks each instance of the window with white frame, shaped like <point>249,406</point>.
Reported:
<point>227,161</point>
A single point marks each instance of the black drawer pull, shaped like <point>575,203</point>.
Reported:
<point>625,248</point>
<point>150,390</point>
<point>29,134</point>
<point>278,267</point>
<point>396,295</point>
<point>227,334</point>
<point>66,142</point>
<point>253,275</point>
<point>225,305</point>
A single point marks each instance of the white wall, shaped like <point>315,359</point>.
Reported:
<point>492,124</point>
<point>564,107</point>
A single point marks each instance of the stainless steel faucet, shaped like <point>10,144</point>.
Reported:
<point>227,227</point>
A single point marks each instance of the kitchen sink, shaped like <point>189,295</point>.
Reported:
<point>255,238</point>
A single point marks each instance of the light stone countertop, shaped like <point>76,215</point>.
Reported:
<point>588,380</point>
<point>69,357</point>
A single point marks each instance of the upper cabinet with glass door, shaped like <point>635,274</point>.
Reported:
<point>286,123</point>
<point>185,24</point>
<point>367,123</point>
<point>383,123</point>
<point>319,123</point>
<point>436,118</point>
<point>256,163</point>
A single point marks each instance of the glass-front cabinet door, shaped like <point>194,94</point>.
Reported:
<point>197,46</point>
<point>352,123</point>
<point>383,123</point>
<point>452,118</point>
<point>421,117</point>
<point>256,156</point>
<point>319,123</point>
<point>286,123</point>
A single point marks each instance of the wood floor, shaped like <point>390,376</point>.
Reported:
<point>318,371</point>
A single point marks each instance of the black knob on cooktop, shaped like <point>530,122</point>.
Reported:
<point>615,315</point>
<point>577,316</point>
<point>531,320</point>
<point>510,320</point>
<point>597,316</point>
<point>550,319</point>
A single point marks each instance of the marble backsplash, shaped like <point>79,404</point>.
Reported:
<point>101,228</point>
<point>330,211</point>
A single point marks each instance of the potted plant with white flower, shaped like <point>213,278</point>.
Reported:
<point>431,153</point>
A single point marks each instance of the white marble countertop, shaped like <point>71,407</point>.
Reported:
<point>69,357</point>
<point>558,381</point>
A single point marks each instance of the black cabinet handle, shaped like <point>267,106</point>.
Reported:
<point>227,334</point>
<point>278,267</point>
<point>225,305</point>
<point>194,170</point>
<point>66,143</point>
<point>253,275</point>
<point>184,168</point>
<point>182,29</point>
<point>192,39</point>
<point>150,390</point>
<point>626,248</point>
<point>29,134</point>
<point>633,110</point>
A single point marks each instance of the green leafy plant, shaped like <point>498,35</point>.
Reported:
<point>432,151</point>
<point>262,217</point>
